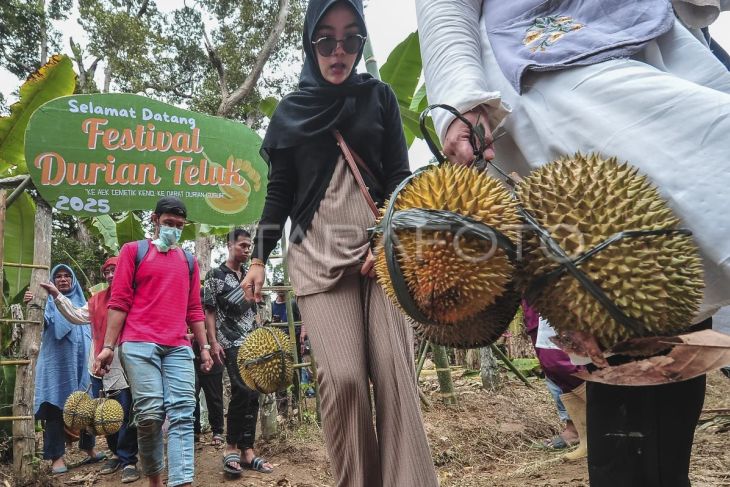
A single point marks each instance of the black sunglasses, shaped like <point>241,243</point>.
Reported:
<point>326,46</point>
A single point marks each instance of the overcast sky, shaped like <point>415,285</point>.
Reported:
<point>389,22</point>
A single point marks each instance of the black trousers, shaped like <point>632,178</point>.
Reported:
<point>642,436</point>
<point>212,386</point>
<point>243,409</point>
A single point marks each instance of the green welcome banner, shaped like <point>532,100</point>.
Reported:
<point>107,153</point>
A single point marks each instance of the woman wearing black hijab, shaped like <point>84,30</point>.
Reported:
<point>356,333</point>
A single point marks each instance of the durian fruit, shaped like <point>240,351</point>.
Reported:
<point>452,278</point>
<point>483,329</point>
<point>108,416</point>
<point>582,200</point>
<point>265,360</point>
<point>78,411</point>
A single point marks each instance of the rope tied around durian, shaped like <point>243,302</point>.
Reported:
<point>566,264</point>
<point>280,353</point>
<point>427,219</point>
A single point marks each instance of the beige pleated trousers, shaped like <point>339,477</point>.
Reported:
<point>349,352</point>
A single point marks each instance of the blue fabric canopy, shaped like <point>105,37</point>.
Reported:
<point>62,362</point>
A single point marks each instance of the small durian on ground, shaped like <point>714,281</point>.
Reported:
<point>583,200</point>
<point>265,360</point>
<point>78,411</point>
<point>108,416</point>
<point>452,278</point>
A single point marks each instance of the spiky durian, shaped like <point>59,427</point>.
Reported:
<point>481,330</point>
<point>265,360</point>
<point>78,411</point>
<point>583,200</point>
<point>108,416</point>
<point>453,278</point>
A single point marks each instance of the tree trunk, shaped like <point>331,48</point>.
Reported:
<point>44,34</point>
<point>460,357</point>
<point>472,359</point>
<point>107,77</point>
<point>268,413</point>
<point>24,431</point>
<point>443,372</point>
<point>203,246</point>
<point>229,100</point>
<point>489,369</point>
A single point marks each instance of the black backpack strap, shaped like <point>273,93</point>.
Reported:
<point>191,263</point>
<point>143,247</point>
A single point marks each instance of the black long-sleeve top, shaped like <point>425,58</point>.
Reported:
<point>299,176</point>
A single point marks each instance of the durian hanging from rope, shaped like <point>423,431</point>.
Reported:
<point>452,277</point>
<point>78,411</point>
<point>265,360</point>
<point>656,280</point>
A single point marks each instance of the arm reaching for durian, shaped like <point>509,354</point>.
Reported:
<point>451,48</point>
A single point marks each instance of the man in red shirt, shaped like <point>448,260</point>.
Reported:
<point>155,298</point>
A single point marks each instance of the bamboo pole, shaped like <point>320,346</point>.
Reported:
<point>500,355</point>
<point>14,362</point>
<point>24,431</point>
<point>18,190</point>
<point>371,64</point>
<point>422,359</point>
<point>315,384</point>
<point>16,418</point>
<point>443,372</point>
<point>3,199</point>
<point>25,266</point>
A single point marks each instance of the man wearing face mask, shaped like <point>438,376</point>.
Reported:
<point>155,297</point>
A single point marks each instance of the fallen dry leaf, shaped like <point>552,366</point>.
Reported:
<point>693,355</point>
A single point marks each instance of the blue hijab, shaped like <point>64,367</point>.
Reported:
<point>62,362</point>
<point>53,318</point>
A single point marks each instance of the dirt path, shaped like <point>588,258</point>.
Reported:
<point>487,440</point>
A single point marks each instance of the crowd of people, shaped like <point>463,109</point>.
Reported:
<point>631,65</point>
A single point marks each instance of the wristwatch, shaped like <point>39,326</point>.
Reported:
<point>110,347</point>
<point>206,347</point>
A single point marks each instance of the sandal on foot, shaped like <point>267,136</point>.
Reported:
<point>232,458</point>
<point>217,440</point>
<point>89,460</point>
<point>258,464</point>
<point>59,470</point>
<point>557,442</point>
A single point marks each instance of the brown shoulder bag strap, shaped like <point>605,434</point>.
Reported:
<point>355,171</point>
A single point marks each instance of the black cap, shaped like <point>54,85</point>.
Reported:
<point>171,204</point>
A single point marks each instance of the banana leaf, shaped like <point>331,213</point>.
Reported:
<point>402,70</point>
<point>106,228</point>
<point>19,235</point>
<point>54,79</point>
<point>129,229</point>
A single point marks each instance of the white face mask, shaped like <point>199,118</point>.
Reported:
<point>168,238</point>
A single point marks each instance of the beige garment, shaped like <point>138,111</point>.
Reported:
<point>336,241</point>
<point>395,453</point>
<point>324,270</point>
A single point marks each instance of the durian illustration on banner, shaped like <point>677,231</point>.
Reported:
<point>265,360</point>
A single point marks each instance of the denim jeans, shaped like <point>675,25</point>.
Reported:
<point>556,392</point>
<point>123,443</point>
<point>162,380</point>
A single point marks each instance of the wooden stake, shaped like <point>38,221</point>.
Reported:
<point>24,431</point>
